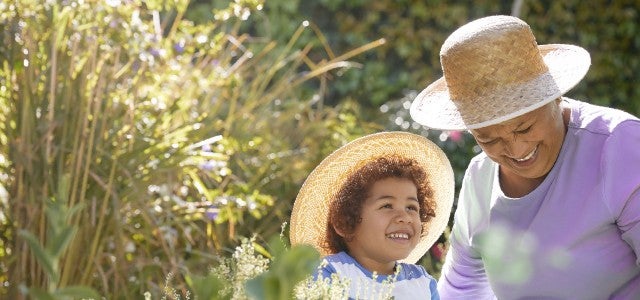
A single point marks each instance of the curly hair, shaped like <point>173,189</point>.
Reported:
<point>345,207</point>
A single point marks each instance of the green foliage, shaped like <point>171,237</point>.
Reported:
<point>253,273</point>
<point>283,272</point>
<point>414,30</point>
<point>168,139</point>
<point>287,269</point>
<point>48,256</point>
<point>206,287</point>
<point>166,130</point>
<point>610,31</point>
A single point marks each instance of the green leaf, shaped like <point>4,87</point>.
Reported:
<point>255,287</point>
<point>75,209</point>
<point>40,294</point>
<point>206,287</point>
<point>63,188</point>
<point>55,215</point>
<point>78,292</point>
<point>261,250</point>
<point>61,19</point>
<point>43,257</point>
<point>60,242</point>
<point>287,269</point>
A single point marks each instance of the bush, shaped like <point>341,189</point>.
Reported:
<point>137,143</point>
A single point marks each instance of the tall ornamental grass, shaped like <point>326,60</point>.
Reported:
<point>135,143</point>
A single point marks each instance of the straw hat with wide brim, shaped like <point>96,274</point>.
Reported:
<point>495,71</point>
<point>311,208</point>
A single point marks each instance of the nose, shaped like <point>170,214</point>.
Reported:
<point>402,216</point>
<point>516,149</point>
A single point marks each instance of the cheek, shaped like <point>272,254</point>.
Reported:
<point>419,228</point>
<point>417,222</point>
<point>369,222</point>
<point>493,151</point>
<point>538,135</point>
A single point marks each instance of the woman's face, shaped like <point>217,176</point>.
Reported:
<point>526,146</point>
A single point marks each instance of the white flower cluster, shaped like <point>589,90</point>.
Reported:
<point>333,287</point>
<point>337,287</point>
<point>244,265</point>
<point>169,291</point>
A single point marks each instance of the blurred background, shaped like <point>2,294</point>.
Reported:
<point>142,143</point>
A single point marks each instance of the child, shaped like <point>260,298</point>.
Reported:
<point>373,208</point>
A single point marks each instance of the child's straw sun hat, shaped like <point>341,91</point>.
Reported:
<point>311,208</point>
<point>495,71</point>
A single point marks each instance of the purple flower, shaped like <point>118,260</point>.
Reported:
<point>179,48</point>
<point>209,165</point>
<point>136,65</point>
<point>155,52</point>
<point>211,213</point>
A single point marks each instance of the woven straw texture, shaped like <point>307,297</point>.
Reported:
<point>495,71</point>
<point>310,210</point>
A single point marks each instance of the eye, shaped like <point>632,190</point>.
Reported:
<point>386,205</point>
<point>523,131</point>
<point>413,207</point>
<point>491,142</point>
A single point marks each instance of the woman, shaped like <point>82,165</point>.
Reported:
<point>551,207</point>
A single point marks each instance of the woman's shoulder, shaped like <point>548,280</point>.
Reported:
<point>597,119</point>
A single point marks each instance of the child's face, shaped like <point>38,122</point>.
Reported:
<point>390,226</point>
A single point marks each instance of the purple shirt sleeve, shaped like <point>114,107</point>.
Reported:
<point>463,277</point>
<point>621,165</point>
<point>463,274</point>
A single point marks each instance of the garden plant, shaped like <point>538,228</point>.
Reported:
<point>153,149</point>
<point>135,143</point>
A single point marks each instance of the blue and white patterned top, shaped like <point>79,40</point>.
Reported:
<point>412,281</point>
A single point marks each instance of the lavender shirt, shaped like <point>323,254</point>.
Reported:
<point>576,236</point>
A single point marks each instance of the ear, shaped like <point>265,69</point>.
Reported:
<point>339,231</point>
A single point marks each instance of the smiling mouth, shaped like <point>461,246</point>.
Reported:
<point>529,156</point>
<point>403,236</point>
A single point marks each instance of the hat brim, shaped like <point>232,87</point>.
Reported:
<point>567,64</point>
<point>310,210</point>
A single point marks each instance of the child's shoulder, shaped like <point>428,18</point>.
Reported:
<point>340,257</point>
<point>340,262</point>
<point>412,271</point>
<point>343,264</point>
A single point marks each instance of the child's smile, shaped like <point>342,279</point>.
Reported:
<point>398,235</point>
<point>390,227</point>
